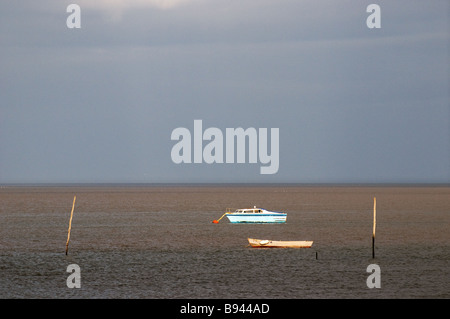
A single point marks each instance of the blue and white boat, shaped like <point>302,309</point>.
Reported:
<point>256,215</point>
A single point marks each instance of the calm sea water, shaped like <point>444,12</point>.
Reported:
<point>160,242</point>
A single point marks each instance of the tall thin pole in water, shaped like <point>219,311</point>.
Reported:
<point>70,224</point>
<point>374,225</point>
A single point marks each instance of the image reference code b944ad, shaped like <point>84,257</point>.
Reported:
<point>227,308</point>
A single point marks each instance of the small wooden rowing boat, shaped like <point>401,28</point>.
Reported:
<point>264,243</point>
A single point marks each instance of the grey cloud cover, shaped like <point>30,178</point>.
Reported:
<point>98,104</point>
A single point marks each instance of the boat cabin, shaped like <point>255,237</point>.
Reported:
<point>248,211</point>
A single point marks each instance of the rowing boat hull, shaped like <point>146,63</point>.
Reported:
<point>262,243</point>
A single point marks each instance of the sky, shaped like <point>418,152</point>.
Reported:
<point>98,104</point>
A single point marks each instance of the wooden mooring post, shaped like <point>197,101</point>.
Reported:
<point>70,224</point>
<point>374,225</point>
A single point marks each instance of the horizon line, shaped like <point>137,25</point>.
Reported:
<point>251,184</point>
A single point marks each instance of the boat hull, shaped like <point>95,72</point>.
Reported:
<point>264,243</point>
<point>257,218</point>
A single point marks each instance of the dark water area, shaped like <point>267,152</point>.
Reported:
<point>159,242</point>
